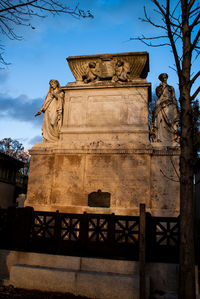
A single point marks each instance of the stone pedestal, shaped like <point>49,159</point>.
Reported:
<point>104,145</point>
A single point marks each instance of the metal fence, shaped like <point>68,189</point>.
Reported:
<point>93,235</point>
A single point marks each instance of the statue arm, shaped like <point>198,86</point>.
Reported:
<point>38,113</point>
<point>159,91</point>
<point>47,101</point>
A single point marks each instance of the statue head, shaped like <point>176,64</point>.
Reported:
<point>119,63</point>
<point>92,65</point>
<point>163,77</point>
<point>53,84</point>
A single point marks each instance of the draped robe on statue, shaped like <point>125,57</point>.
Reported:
<point>52,109</point>
<point>165,115</point>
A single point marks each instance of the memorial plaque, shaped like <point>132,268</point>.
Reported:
<point>99,199</point>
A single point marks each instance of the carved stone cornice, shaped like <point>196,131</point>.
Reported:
<point>40,149</point>
<point>116,68</point>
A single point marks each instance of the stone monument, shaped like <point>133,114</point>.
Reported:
<point>96,137</point>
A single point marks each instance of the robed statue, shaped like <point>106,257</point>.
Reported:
<point>164,127</point>
<point>53,112</point>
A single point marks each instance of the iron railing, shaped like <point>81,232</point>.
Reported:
<point>96,235</point>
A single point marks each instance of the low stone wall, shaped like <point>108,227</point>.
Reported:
<point>92,277</point>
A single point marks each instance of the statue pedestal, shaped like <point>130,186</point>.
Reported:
<point>104,145</point>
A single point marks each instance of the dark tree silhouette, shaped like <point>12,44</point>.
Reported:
<point>180,22</point>
<point>14,13</point>
<point>14,148</point>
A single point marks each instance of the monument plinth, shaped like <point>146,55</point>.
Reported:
<point>100,141</point>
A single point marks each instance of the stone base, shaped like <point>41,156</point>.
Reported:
<point>92,277</point>
<point>91,284</point>
<point>131,177</point>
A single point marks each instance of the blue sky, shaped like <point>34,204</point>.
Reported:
<point>42,53</point>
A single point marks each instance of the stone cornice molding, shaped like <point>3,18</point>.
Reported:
<point>92,68</point>
<point>49,150</point>
<point>106,84</point>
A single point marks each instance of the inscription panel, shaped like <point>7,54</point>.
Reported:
<point>77,112</point>
<point>126,178</point>
<point>114,111</point>
<point>103,114</point>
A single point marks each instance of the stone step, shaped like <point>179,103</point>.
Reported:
<point>98,285</point>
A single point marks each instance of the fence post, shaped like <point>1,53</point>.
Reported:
<point>58,232</point>
<point>22,228</point>
<point>84,232</point>
<point>142,251</point>
<point>111,230</point>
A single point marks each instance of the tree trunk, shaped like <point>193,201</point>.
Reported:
<point>187,259</point>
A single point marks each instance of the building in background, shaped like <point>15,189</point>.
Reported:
<point>12,181</point>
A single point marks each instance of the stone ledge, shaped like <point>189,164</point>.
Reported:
<point>102,130</point>
<point>163,276</point>
<point>117,211</point>
<point>50,148</point>
<point>103,85</point>
<point>99,285</point>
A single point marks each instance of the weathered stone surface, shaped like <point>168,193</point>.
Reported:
<point>163,277</point>
<point>91,68</point>
<point>131,178</point>
<point>91,284</point>
<point>165,183</point>
<point>103,143</point>
<point>105,118</point>
<point>73,177</point>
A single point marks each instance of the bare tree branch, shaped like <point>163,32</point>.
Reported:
<point>159,7</point>
<point>170,179</point>
<point>196,21</point>
<point>191,3</point>
<point>194,12</point>
<point>148,20</point>
<point>194,78</point>
<point>145,41</point>
<point>21,13</point>
<point>195,94</point>
<point>175,8</point>
<point>170,34</point>
<point>177,174</point>
<point>8,8</point>
<point>195,41</point>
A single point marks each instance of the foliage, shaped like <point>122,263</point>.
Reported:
<point>17,13</point>
<point>15,149</point>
